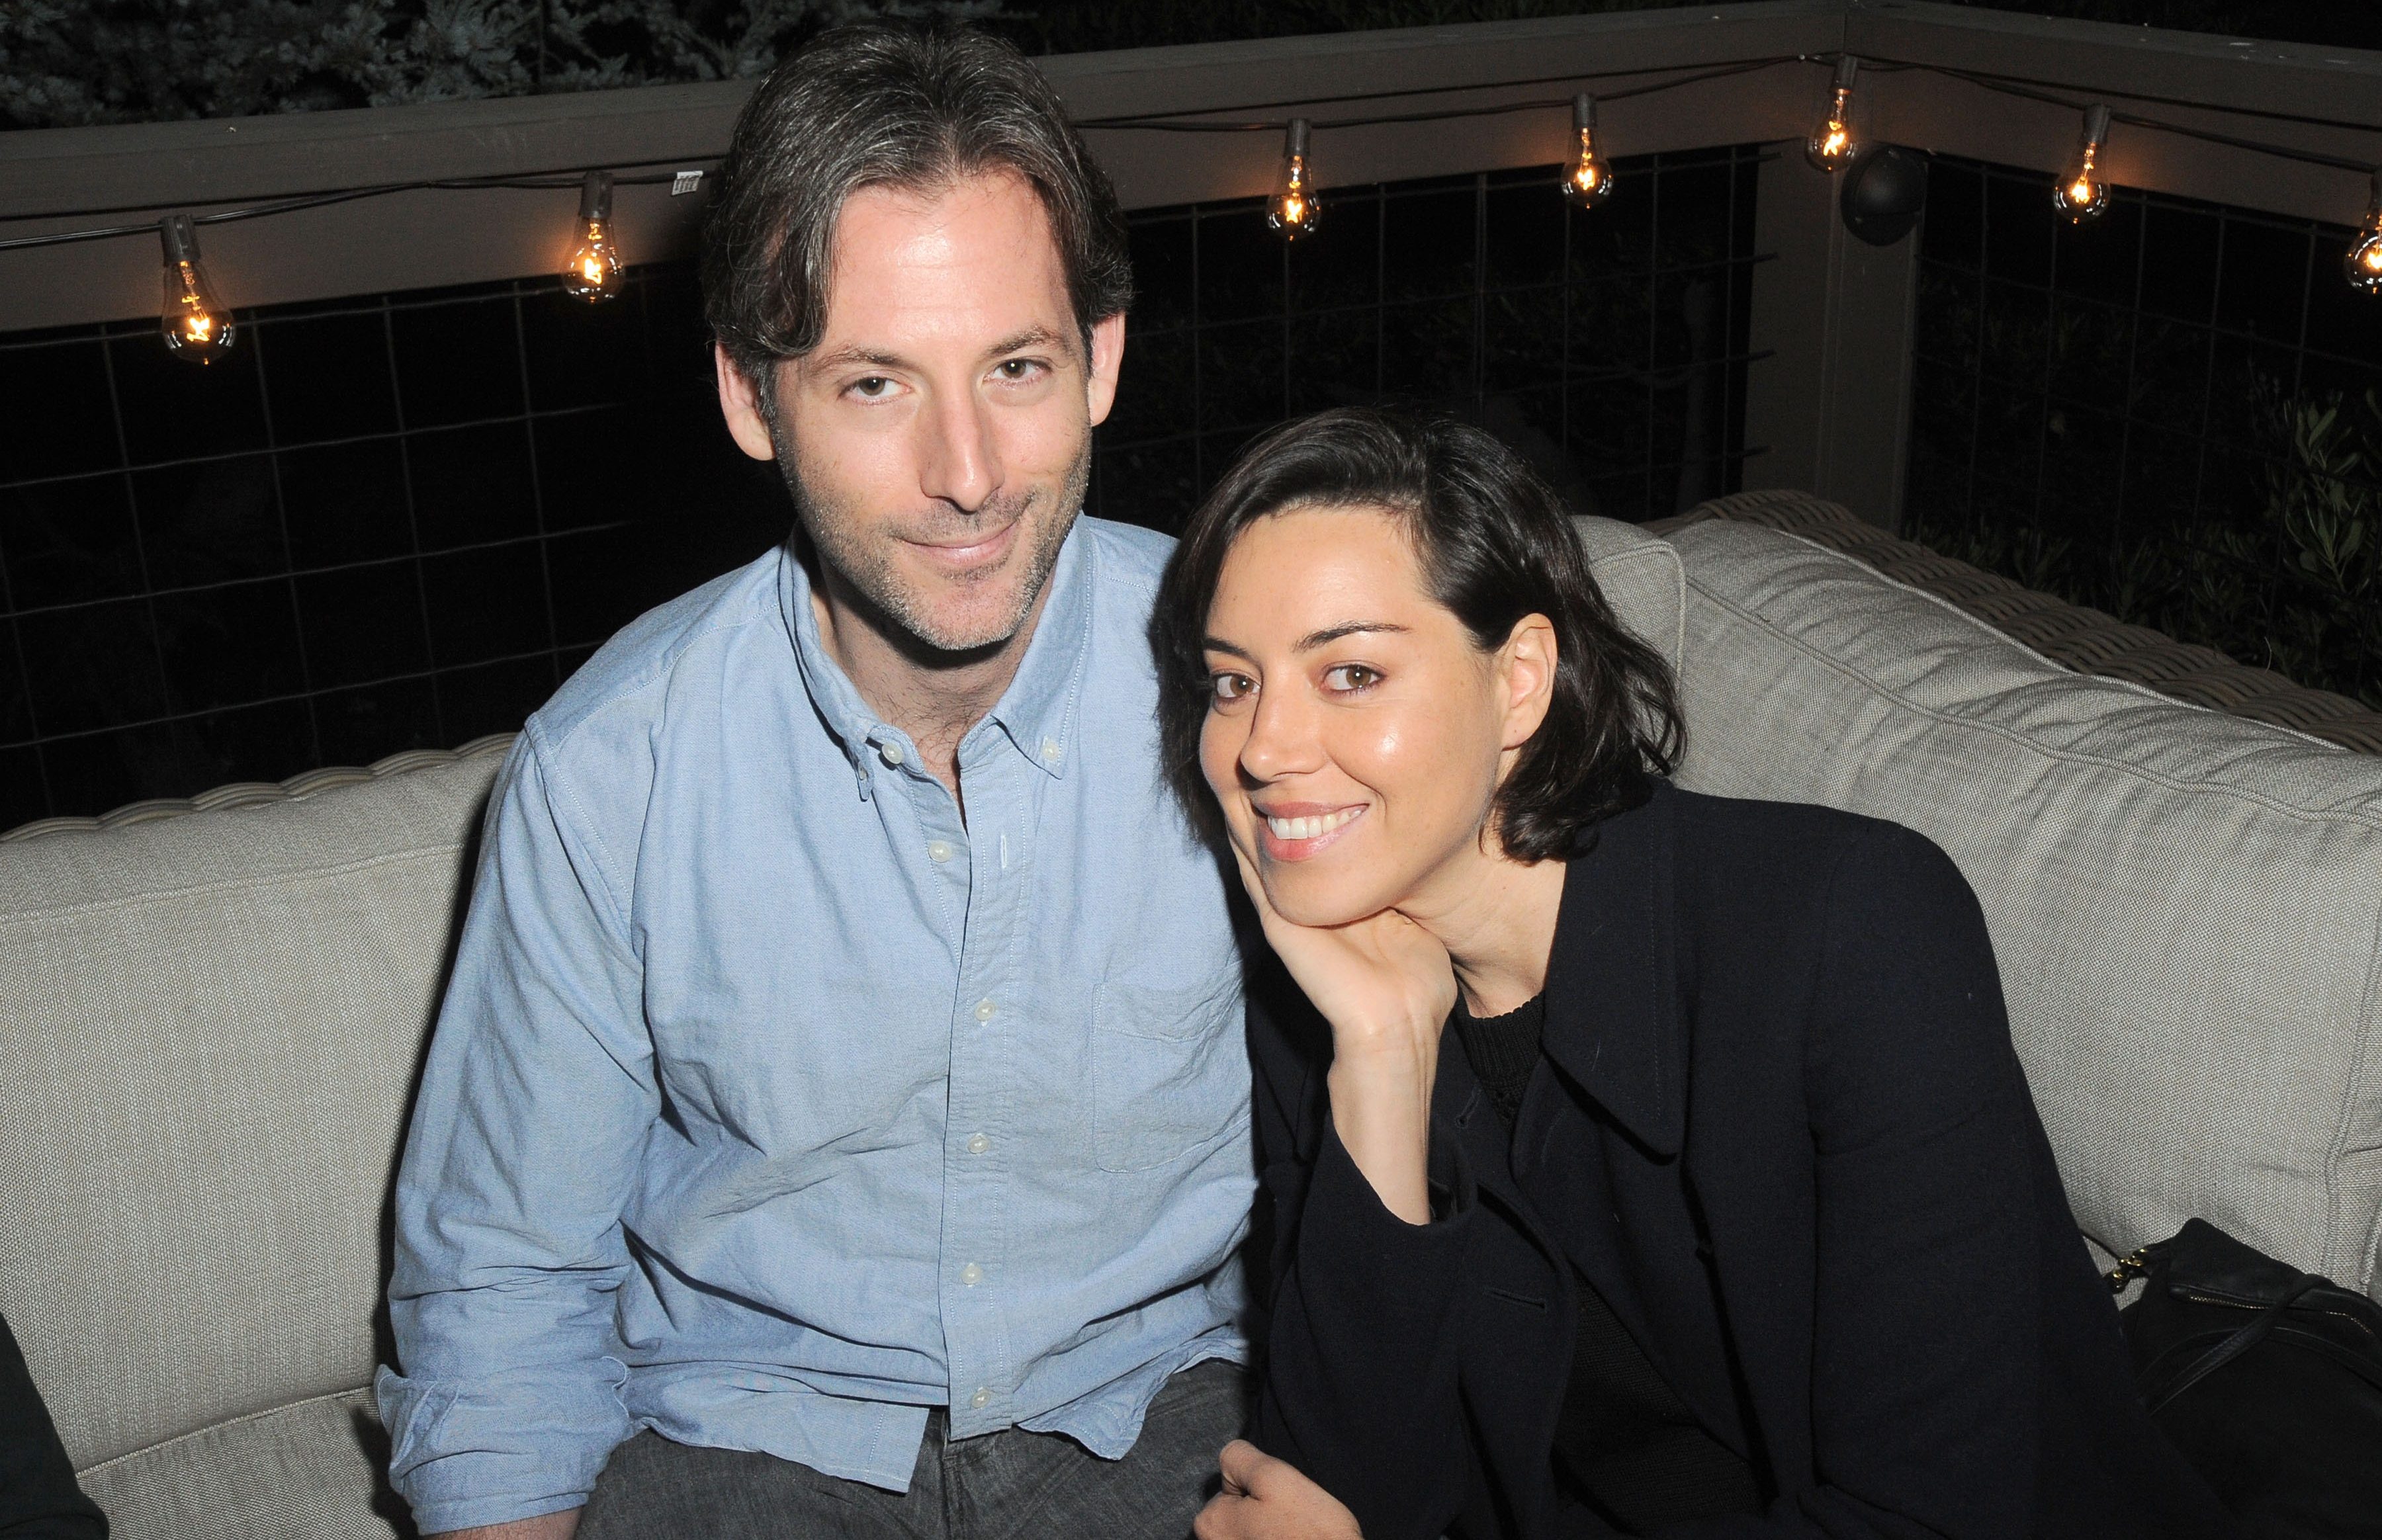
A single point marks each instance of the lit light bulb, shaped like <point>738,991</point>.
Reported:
<point>1832,143</point>
<point>2081,193</point>
<point>1591,179</point>
<point>2364,263</point>
<point>1292,209</point>
<point>197,326</point>
<point>594,274</point>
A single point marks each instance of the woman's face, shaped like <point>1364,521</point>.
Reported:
<point>1355,736</point>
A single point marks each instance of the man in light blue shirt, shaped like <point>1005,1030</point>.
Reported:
<point>838,1121</point>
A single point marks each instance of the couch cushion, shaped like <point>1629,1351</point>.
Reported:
<point>1641,579</point>
<point>314,1470</point>
<point>211,1025</point>
<point>2186,907</point>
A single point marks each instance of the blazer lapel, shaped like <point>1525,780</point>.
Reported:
<point>1613,1190</point>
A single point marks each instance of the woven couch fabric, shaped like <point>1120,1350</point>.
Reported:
<point>315,1470</point>
<point>2186,906</point>
<point>2084,640</point>
<point>212,1025</point>
<point>1641,579</point>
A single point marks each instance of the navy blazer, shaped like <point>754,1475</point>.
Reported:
<point>1779,1124</point>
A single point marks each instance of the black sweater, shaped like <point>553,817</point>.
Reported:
<point>1782,1131</point>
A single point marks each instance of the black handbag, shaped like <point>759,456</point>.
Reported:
<point>2267,1379</point>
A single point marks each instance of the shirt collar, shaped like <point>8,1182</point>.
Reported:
<point>1035,714</point>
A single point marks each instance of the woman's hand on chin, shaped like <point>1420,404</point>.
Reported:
<point>1265,1499</point>
<point>1385,986</point>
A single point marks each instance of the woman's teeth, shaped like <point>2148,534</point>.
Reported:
<point>1307,828</point>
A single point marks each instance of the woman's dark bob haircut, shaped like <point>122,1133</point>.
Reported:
<point>1495,545</point>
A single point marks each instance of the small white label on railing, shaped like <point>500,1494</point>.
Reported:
<point>684,183</point>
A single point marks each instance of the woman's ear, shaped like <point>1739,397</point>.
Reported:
<point>1527,671</point>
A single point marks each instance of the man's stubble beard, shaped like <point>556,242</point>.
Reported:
<point>870,569</point>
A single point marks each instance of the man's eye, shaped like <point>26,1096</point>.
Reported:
<point>1352,676</point>
<point>1017,369</point>
<point>1231,686</point>
<point>871,388</point>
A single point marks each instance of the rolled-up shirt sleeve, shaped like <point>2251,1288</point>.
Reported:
<point>534,1105</point>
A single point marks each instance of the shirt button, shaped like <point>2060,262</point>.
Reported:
<point>977,1144</point>
<point>1050,747</point>
<point>971,1275</point>
<point>938,850</point>
<point>982,1399</point>
<point>983,1010</point>
<point>890,753</point>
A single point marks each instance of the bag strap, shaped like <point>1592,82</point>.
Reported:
<point>2233,1347</point>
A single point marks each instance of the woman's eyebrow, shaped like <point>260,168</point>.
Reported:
<point>1308,643</point>
<point>1331,634</point>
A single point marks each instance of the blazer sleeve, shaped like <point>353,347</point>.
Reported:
<point>1924,1405</point>
<point>1360,1384</point>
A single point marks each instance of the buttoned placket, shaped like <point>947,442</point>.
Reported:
<point>985,862</point>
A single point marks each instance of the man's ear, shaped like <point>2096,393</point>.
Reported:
<point>1108,354</point>
<point>1527,665</point>
<point>740,405</point>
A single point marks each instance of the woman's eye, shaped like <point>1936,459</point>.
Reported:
<point>1231,686</point>
<point>1347,677</point>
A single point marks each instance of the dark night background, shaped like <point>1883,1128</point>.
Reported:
<point>398,520</point>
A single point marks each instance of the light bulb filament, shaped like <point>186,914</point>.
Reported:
<point>2082,194</point>
<point>2364,262</point>
<point>1293,210</point>
<point>1832,143</point>
<point>594,272</point>
<point>195,325</point>
<point>1589,177</point>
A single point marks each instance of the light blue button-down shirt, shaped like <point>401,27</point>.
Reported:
<point>771,1104</point>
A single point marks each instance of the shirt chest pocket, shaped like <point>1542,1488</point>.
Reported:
<point>1170,1070</point>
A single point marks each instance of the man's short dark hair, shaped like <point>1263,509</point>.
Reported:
<point>1495,544</point>
<point>884,104</point>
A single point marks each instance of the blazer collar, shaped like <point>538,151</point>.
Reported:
<point>1612,1008</point>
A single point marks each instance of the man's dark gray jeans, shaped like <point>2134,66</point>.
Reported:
<point>993,1487</point>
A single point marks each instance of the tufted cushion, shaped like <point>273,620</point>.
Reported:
<point>2185,905</point>
<point>211,1024</point>
<point>313,1469</point>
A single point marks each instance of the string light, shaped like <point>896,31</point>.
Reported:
<point>2083,194</point>
<point>1293,210</point>
<point>2364,263</point>
<point>594,274</point>
<point>1832,143</point>
<point>197,326</point>
<point>1591,179</point>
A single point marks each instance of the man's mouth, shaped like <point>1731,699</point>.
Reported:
<point>973,549</point>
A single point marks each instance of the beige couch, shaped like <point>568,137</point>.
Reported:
<point>210,1023</point>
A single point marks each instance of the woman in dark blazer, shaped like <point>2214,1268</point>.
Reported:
<point>1634,1161</point>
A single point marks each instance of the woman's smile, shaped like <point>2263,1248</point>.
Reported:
<point>1296,831</point>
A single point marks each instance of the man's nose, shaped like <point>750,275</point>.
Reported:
<point>959,461</point>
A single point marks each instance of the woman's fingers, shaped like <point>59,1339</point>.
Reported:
<point>1265,1499</point>
<point>1240,1463</point>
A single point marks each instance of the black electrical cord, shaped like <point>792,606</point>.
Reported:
<point>2005,85</point>
<point>544,181</point>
